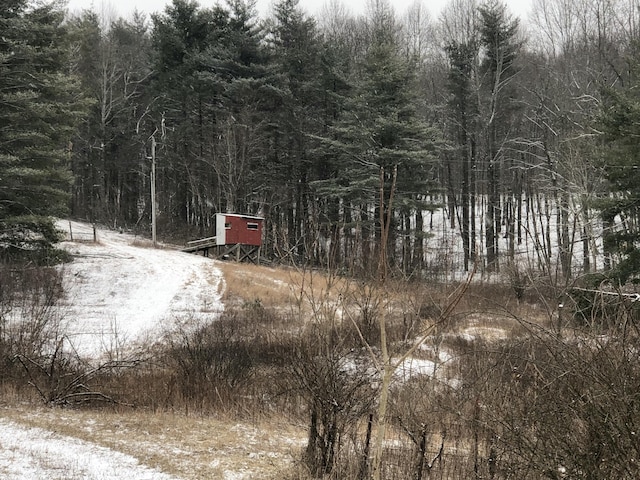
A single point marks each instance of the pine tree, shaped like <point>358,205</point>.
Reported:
<point>498,33</point>
<point>185,116</point>
<point>236,67</point>
<point>297,101</point>
<point>380,130</point>
<point>39,109</point>
<point>620,123</point>
<point>111,57</point>
<point>463,111</point>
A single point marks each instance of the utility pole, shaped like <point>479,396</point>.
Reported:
<point>153,190</point>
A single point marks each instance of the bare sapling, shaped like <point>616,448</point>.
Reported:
<point>386,364</point>
<point>323,369</point>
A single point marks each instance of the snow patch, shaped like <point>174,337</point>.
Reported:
<point>34,453</point>
<point>118,293</point>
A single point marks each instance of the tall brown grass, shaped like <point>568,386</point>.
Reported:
<point>288,354</point>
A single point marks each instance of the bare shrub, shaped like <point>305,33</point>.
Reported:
<point>602,308</point>
<point>518,279</point>
<point>367,302</point>
<point>29,318</point>
<point>337,387</point>
<point>221,364</point>
<point>62,378</point>
<point>554,407</point>
<point>211,362</point>
<point>419,410</point>
<point>33,349</point>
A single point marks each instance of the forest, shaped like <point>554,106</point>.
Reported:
<point>519,132</point>
<point>460,192</point>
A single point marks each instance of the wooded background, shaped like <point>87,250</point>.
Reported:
<point>523,131</point>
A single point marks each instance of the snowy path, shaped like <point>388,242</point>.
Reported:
<point>118,288</point>
<point>36,454</point>
<point>118,292</point>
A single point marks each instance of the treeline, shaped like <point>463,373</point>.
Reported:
<point>330,127</point>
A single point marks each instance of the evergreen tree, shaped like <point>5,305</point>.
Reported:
<point>111,56</point>
<point>236,67</point>
<point>297,116</point>
<point>333,222</point>
<point>620,123</point>
<point>463,112</point>
<point>186,114</point>
<point>498,33</point>
<point>380,130</point>
<point>39,109</point>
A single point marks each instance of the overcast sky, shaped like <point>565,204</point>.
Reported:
<point>126,7</point>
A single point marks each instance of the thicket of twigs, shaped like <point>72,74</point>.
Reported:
<point>551,397</point>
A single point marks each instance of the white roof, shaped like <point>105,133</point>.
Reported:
<point>239,215</point>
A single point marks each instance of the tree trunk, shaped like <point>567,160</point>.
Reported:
<point>466,198</point>
<point>490,223</point>
<point>418,248</point>
<point>473,251</point>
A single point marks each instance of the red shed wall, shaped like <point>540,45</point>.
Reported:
<point>239,231</point>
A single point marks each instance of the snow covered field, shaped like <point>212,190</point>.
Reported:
<point>120,292</point>
<point>117,294</point>
<point>36,454</point>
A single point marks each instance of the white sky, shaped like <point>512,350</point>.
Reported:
<point>124,8</point>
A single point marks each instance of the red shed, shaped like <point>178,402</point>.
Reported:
<point>235,229</point>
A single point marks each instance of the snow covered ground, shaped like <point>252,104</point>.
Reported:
<point>36,454</point>
<point>116,294</point>
<point>120,292</point>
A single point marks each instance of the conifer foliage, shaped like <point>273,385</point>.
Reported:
<point>39,108</point>
<point>293,118</point>
<point>620,121</point>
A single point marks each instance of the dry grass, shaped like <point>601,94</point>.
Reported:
<point>209,447</point>
<point>190,447</point>
<point>485,310</point>
<point>271,286</point>
<point>275,287</point>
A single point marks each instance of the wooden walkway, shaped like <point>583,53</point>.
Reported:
<point>237,252</point>
<point>203,244</point>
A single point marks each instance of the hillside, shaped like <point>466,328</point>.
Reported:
<point>280,356</point>
<point>120,293</point>
<point>118,290</point>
